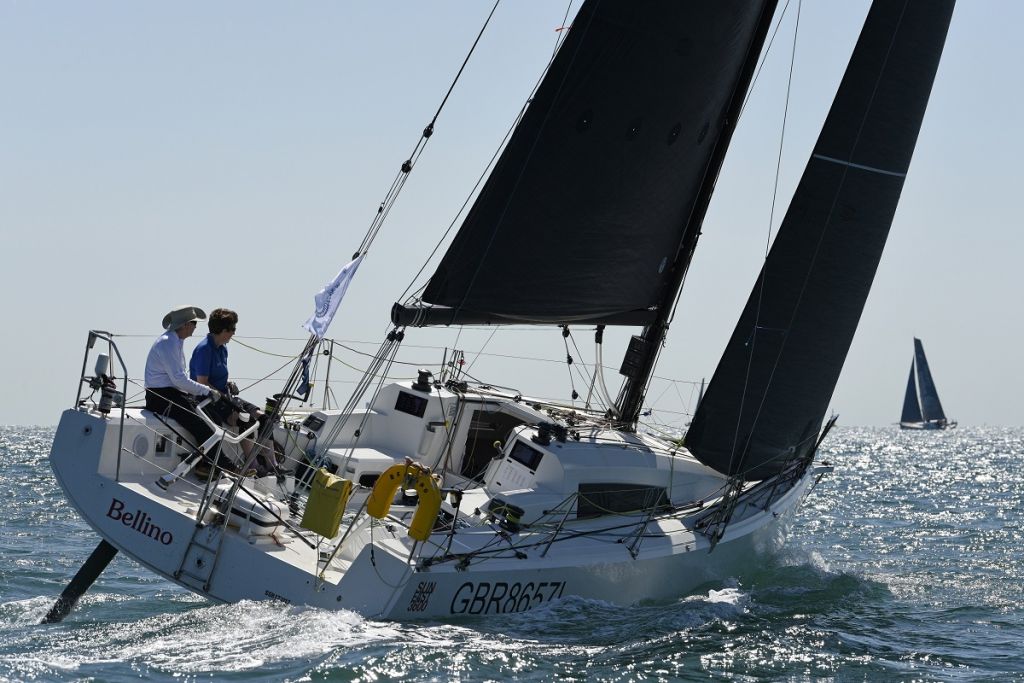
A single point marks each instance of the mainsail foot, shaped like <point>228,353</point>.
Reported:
<point>90,571</point>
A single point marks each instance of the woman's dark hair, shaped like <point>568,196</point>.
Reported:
<point>222,319</point>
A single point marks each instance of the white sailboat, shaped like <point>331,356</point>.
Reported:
<point>454,498</point>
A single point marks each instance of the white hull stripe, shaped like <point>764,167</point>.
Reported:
<point>860,166</point>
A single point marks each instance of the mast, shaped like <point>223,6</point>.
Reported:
<point>642,353</point>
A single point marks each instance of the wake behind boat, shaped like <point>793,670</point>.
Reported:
<point>445,497</point>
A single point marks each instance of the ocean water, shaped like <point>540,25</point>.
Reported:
<point>903,565</point>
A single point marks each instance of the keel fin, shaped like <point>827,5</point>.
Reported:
<point>97,562</point>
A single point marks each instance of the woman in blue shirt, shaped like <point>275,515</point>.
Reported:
<point>209,366</point>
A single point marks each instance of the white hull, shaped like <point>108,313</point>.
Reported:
<point>928,425</point>
<point>379,571</point>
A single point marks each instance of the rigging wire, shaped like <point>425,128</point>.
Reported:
<point>584,369</point>
<point>764,57</point>
<point>569,360</point>
<point>653,403</point>
<point>560,29</point>
<point>383,360</point>
<point>267,376</point>
<point>581,371</point>
<point>487,168</point>
<point>403,173</point>
<point>743,107</point>
<point>788,453</point>
<point>512,190</point>
<point>675,304</point>
<point>579,367</point>
<point>386,355</point>
<point>472,362</point>
<point>767,247</point>
<point>687,403</point>
<point>289,356</point>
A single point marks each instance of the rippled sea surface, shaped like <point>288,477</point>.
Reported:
<point>904,565</point>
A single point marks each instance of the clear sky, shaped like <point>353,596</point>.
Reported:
<point>233,154</point>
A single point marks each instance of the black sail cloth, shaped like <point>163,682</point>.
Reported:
<point>931,407</point>
<point>911,405</point>
<point>768,397</point>
<point>585,212</point>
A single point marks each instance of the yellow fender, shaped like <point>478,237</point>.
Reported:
<point>427,485</point>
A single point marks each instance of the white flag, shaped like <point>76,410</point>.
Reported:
<point>329,297</point>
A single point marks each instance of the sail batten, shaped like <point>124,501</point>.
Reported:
<point>769,395</point>
<point>861,167</point>
<point>586,210</point>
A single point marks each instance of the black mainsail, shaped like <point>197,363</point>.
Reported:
<point>766,402</point>
<point>592,209</point>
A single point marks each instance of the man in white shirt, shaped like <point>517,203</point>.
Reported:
<point>169,390</point>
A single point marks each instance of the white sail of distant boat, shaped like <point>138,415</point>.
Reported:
<point>451,497</point>
<point>921,406</point>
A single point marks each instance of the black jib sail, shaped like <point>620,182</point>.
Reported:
<point>604,182</point>
<point>768,397</point>
<point>931,408</point>
<point>911,406</point>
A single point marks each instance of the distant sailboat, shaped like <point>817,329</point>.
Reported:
<point>921,406</point>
